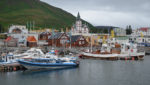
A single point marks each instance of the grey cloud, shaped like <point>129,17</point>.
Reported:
<point>136,11</point>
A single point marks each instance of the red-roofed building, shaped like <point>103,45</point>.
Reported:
<point>11,42</point>
<point>144,29</point>
<point>31,41</point>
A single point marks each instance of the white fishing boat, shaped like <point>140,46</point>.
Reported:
<point>7,59</point>
<point>115,51</point>
<point>11,58</point>
<point>33,52</point>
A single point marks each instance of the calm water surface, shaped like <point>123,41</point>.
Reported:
<point>90,72</point>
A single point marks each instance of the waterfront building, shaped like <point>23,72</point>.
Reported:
<point>59,40</point>
<point>120,31</point>
<point>11,42</point>
<point>44,35</point>
<point>78,41</point>
<point>141,35</point>
<point>18,29</point>
<point>21,33</point>
<point>31,41</point>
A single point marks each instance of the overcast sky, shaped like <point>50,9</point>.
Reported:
<point>108,12</point>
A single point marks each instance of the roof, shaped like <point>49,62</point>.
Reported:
<point>56,36</point>
<point>9,38</point>
<point>43,33</point>
<point>78,16</point>
<point>75,38</point>
<point>31,39</point>
<point>144,29</point>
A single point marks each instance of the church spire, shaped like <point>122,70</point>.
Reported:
<point>78,16</point>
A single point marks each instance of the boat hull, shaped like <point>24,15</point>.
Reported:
<point>136,56</point>
<point>31,65</point>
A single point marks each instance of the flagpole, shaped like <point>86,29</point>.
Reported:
<point>30,26</point>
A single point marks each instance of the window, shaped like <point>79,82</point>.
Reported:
<point>63,41</point>
<point>80,42</point>
<point>83,42</point>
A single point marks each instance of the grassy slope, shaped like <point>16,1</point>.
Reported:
<point>44,15</point>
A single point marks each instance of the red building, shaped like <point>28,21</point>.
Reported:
<point>78,41</point>
<point>31,41</point>
<point>58,40</point>
<point>44,35</point>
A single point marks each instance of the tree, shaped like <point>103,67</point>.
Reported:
<point>128,30</point>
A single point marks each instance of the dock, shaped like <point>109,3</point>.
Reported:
<point>11,67</point>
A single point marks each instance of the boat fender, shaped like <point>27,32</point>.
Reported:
<point>132,50</point>
<point>133,58</point>
<point>15,69</point>
<point>126,58</point>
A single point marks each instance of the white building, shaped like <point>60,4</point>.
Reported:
<point>120,32</point>
<point>78,27</point>
<point>145,31</point>
<point>141,35</point>
<point>17,29</point>
<point>21,33</point>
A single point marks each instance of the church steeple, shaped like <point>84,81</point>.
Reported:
<point>78,16</point>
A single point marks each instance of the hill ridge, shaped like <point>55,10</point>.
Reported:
<point>45,15</point>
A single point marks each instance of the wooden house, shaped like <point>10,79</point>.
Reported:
<point>93,40</point>
<point>78,41</point>
<point>11,42</point>
<point>31,41</point>
<point>44,35</point>
<point>59,40</point>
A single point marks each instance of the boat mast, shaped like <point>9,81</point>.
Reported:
<point>91,42</point>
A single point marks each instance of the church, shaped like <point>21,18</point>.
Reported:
<point>78,27</point>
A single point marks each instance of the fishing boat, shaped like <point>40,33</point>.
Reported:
<point>35,52</point>
<point>47,63</point>
<point>113,50</point>
<point>7,59</point>
<point>11,58</point>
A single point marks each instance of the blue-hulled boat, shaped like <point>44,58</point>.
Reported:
<point>47,63</point>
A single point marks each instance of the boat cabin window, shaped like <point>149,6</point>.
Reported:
<point>43,61</point>
<point>122,45</point>
<point>134,38</point>
<point>128,47</point>
<point>143,40</point>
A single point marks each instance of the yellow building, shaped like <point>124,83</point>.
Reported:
<point>94,39</point>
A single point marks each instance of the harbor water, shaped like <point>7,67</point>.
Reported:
<point>90,72</point>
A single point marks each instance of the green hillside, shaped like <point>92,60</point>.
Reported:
<point>43,14</point>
